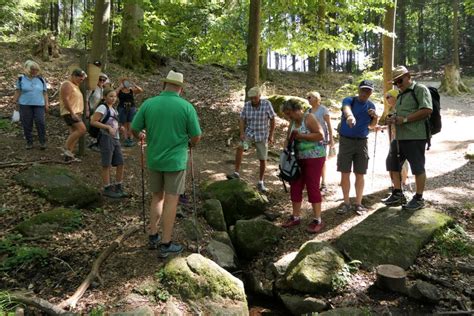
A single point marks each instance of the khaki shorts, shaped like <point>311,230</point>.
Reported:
<point>70,121</point>
<point>353,152</point>
<point>168,182</point>
<point>262,148</point>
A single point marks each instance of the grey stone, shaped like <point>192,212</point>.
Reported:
<point>299,305</point>
<point>254,236</point>
<point>58,185</point>
<point>313,268</point>
<point>391,236</point>
<point>424,291</point>
<point>214,214</point>
<point>140,311</point>
<point>192,229</point>
<point>222,254</point>
<point>279,267</point>
<point>239,199</point>
<point>348,311</point>
<point>222,237</point>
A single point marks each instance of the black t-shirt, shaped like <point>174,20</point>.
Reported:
<point>126,99</point>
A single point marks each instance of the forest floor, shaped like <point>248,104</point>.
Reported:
<point>217,92</point>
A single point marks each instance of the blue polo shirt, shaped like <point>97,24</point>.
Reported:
<point>31,90</point>
<point>359,109</point>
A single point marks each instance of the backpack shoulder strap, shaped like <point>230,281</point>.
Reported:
<point>20,78</point>
<point>106,116</point>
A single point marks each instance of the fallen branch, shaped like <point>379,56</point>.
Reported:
<point>94,273</point>
<point>27,163</point>
<point>36,302</point>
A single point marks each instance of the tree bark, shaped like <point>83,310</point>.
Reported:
<point>401,34</point>
<point>388,51</point>
<point>71,19</point>
<point>420,48</point>
<point>131,39</point>
<point>390,277</point>
<point>322,69</point>
<point>455,4</point>
<point>253,45</point>
<point>312,64</point>
<point>451,83</point>
<point>100,31</point>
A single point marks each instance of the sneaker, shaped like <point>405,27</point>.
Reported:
<point>170,249</point>
<point>292,221</point>
<point>29,146</point>
<point>43,146</point>
<point>71,159</point>
<point>315,227</point>
<point>68,153</point>
<point>414,204</point>
<point>343,209</point>
<point>110,192</point>
<point>234,175</point>
<point>153,241</point>
<point>395,199</point>
<point>359,209</point>
<point>119,189</point>
<point>261,188</point>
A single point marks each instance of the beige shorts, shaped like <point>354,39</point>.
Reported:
<point>262,148</point>
<point>168,182</point>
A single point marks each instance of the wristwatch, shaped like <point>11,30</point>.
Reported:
<point>405,119</point>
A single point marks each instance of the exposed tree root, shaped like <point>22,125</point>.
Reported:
<point>36,302</point>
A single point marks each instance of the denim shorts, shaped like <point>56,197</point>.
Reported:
<point>126,116</point>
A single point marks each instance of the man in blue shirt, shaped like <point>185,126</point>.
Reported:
<point>358,115</point>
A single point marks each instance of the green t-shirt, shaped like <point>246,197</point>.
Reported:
<point>169,121</point>
<point>406,104</point>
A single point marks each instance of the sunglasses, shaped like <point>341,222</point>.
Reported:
<point>398,81</point>
<point>308,97</point>
<point>102,79</point>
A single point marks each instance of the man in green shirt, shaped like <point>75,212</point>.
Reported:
<point>413,108</point>
<point>170,124</point>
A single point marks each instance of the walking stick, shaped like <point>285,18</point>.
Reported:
<point>193,185</point>
<point>373,164</point>
<point>143,184</point>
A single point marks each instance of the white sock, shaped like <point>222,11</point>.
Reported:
<point>260,182</point>
<point>318,219</point>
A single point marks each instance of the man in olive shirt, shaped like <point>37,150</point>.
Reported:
<point>413,108</point>
<point>171,124</point>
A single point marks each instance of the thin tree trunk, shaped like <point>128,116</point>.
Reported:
<point>312,64</point>
<point>420,51</point>
<point>253,44</point>
<point>277,61</point>
<point>388,50</point>
<point>71,20</point>
<point>322,69</point>
<point>455,4</point>
<point>100,30</point>
<point>401,35</point>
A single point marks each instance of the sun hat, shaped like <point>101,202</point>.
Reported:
<point>253,92</point>
<point>366,84</point>
<point>102,75</point>
<point>174,78</point>
<point>399,71</point>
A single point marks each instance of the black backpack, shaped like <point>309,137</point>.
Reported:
<point>289,168</point>
<point>433,122</point>
<point>94,131</point>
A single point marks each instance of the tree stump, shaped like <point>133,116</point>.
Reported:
<point>451,83</point>
<point>47,47</point>
<point>391,277</point>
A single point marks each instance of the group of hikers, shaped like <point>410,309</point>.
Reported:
<point>170,126</point>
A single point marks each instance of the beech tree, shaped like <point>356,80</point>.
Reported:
<point>131,48</point>
<point>100,31</point>
<point>253,44</point>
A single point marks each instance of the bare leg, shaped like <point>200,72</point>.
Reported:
<point>316,209</point>
<point>396,180</point>
<point>238,158</point>
<point>119,174</point>
<point>346,186</point>
<point>263,165</point>
<point>420,180</point>
<point>105,175</point>
<point>359,186</point>
<point>76,131</point>
<point>296,209</point>
<point>156,209</point>
<point>169,214</point>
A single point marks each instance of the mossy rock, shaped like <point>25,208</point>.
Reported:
<point>254,236</point>
<point>50,222</point>
<point>214,214</point>
<point>277,101</point>
<point>58,185</point>
<point>391,236</point>
<point>200,280</point>
<point>192,229</point>
<point>313,268</point>
<point>348,311</point>
<point>223,237</point>
<point>239,200</point>
<point>470,152</point>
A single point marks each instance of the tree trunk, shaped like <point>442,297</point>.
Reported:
<point>420,48</point>
<point>312,64</point>
<point>263,69</point>
<point>452,84</point>
<point>253,45</point>
<point>71,20</point>
<point>131,38</point>
<point>388,48</point>
<point>322,69</point>
<point>456,33</point>
<point>277,61</point>
<point>100,31</point>
<point>401,34</point>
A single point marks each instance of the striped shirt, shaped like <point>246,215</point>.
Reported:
<point>256,120</point>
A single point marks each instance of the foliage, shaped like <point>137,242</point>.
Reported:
<point>16,16</point>
<point>342,278</point>
<point>97,311</point>
<point>453,242</point>
<point>6,125</point>
<point>7,306</point>
<point>18,255</point>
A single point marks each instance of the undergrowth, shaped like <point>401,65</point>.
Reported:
<point>342,278</point>
<point>453,242</point>
<point>18,255</point>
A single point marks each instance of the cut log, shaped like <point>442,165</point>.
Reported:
<point>392,278</point>
<point>94,273</point>
<point>451,83</point>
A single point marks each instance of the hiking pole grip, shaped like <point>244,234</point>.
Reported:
<point>142,158</point>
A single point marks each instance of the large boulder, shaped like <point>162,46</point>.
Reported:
<point>300,305</point>
<point>49,222</point>
<point>254,236</point>
<point>239,200</point>
<point>214,214</point>
<point>313,268</point>
<point>58,185</point>
<point>391,236</point>
<point>277,101</point>
<point>348,311</point>
<point>210,288</point>
<point>222,254</point>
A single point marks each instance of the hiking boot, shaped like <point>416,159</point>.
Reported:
<point>359,209</point>
<point>261,188</point>
<point>414,204</point>
<point>315,227</point>
<point>169,249</point>
<point>183,199</point>
<point>153,241</point>
<point>395,199</point>
<point>29,146</point>
<point>43,146</point>
<point>292,221</point>
<point>119,189</point>
<point>234,175</point>
<point>111,193</point>
<point>343,209</point>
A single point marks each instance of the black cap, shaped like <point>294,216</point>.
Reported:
<point>366,84</point>
<point>98,63</point>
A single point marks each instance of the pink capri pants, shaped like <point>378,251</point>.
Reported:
<point>310,176</point>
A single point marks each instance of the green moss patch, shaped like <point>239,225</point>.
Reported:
<point>57,220</point>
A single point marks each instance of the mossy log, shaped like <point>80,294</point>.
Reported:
<point>392,278</point>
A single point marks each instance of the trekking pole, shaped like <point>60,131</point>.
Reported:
<point>143,184</point>
<point>193,185</point>
<point>373,164</point>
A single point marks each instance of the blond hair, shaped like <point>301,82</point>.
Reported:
<point>314,94</point>
<point>31,64</point>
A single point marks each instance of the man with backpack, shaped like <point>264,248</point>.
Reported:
<point>413,108</point>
